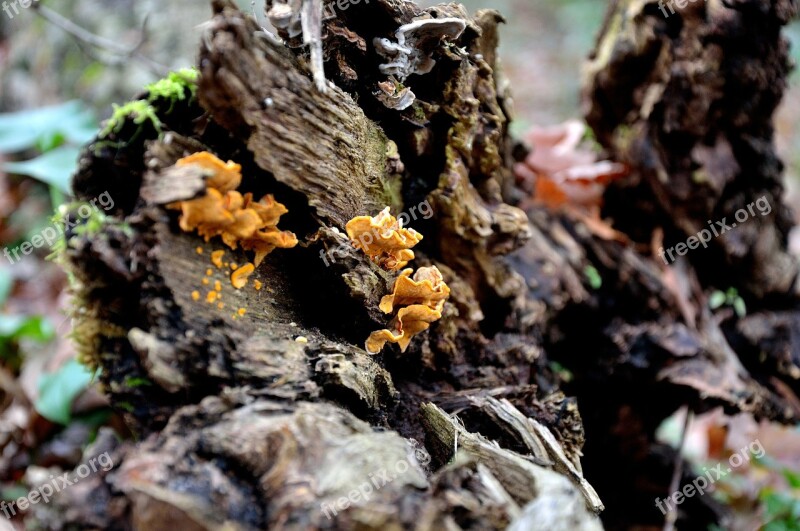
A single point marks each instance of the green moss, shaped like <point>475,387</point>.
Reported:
<point>139,111</point>
<point>177,86</point>
<point>137,381</point>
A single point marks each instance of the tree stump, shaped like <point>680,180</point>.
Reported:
<point>277,417</point>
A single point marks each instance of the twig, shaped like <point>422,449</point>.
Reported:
<point>672,510</point>
<point>82,35</point>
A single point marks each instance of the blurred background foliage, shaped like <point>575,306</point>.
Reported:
<point>54,93</point>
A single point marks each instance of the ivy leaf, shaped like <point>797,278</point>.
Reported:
<point>58,390</point>
<point>14,327</point>
<point>54,167</point>
<point>71,121</point>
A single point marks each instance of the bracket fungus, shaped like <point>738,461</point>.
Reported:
<point>383,239</point>
<point>411,53</point>
<point>422,297</point>
<point>225,212</point>
<point>415,42</point>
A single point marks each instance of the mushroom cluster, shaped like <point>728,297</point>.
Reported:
<point>223,211</point>
<point>420,299</point>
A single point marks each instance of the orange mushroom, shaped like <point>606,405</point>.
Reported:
<point>224,177</point>
<point>426,287</point>
<point>409,322</point>
<point>383,239</point>
<point>225,212</point>
<point>422,297</point>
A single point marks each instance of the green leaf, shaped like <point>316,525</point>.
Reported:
<point>6,283</point>
<point>793,478</point>
<point>739,307</point>
<point>58,390</point>
<point>13,492</point>
<point>716,300</point>
<point>73,121</point>
<point>593,276</point>
<point>54,167</point>
<point>15,327</point>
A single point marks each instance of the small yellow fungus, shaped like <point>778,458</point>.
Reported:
<point>199,250</point>
<point>217,285</point>
<point>209,272</point>
<point>241,312</point>
<point>216,258</point>
<point>205,281</point>
<point>239,277</point>
<point>196,295</point>
<point>211,297</point>
<point>258,285</point>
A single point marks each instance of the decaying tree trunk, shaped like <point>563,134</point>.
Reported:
<point>268,420</point>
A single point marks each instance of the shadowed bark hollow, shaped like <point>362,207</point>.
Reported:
<point>277,418</point>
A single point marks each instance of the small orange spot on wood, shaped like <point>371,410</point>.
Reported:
<point>216,258</point>
<point>199,250</point>
<point>196,295</point>
<point>221,305</point>
<point>234,266</point>
<point>211,297</point>
<point>209,272</point>
<point>217,285</point>
<point>258,285</point>
<point>241,312</point>
<point>205,281</point>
